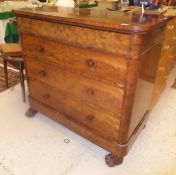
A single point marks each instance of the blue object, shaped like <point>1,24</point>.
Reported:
<point>147,4</point>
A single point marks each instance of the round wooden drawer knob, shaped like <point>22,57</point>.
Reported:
<point>90,92</point>
<point>90,62</point>
<point>40,49</point>
<point>90,117</point>
<point>42,73</point>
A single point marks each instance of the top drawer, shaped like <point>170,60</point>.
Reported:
<point>104,67</point>
<point>110,42</point>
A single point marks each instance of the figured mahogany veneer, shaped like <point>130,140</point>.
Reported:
<point>80,111</point>
<point>80,60</point>
<point>93,71</point>
<point>108,98</point>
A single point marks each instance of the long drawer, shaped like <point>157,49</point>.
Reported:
<point>104,67</point>
<point>75,109</point>
<point>112,42</point>
<point>107,97</point>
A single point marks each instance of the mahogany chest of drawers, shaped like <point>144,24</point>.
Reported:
<point>92,71</point>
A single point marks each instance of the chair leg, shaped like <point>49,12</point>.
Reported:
<point>5,72</point>
<point>21,67</point>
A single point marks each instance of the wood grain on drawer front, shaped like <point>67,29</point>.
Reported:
<point>166,57</point>
<point>76,110</point>
<point>107,97</point>
<point>85,37</point>
<point>170,30</point>
<point>105,67</point>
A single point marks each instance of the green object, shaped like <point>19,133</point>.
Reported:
<point>6,15</point>
<point>88,5</point>
<point>11,33</point>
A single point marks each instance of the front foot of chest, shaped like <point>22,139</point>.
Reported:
<point>112,160</point>
<point>30,112</point>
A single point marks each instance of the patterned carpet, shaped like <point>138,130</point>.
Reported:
<point>13,78</point>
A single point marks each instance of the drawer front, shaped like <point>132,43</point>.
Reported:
<point>96,65</point>
<point>111,42</point>
<point>170,32</point>
<point>167,57</point>
<point>169,64</point>
<point>103,124</point>
<point>170,38</point>
<point>97,93</point>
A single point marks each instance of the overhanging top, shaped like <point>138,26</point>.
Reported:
<point>126,22</point>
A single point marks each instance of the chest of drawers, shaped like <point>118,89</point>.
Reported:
<point>93,72</point>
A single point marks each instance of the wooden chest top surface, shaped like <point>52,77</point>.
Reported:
<point>96,18</point>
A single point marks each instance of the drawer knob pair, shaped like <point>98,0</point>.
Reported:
<point>166,47</point>
<point>90,62</point>
<point>162,68</point>
<point>42,73</point>
<point>171,27</point>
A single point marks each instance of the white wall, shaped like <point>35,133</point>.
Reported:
<point>66,3</point>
